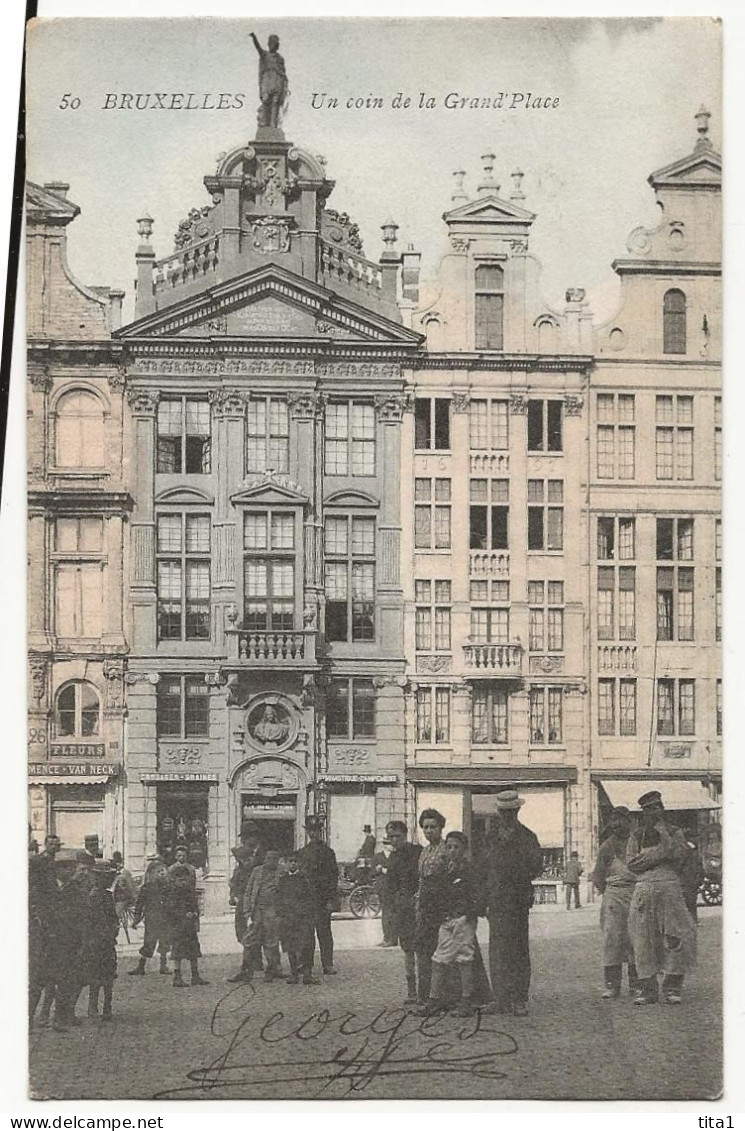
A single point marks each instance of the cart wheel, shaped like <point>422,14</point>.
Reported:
<point>373,905</point>
<point>711,893</point>
<point>358,902</point>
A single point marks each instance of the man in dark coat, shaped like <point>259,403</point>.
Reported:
<point>318,862</point>
<point>248,855</point>
<point>513,860</point>
<point>383,890</point>
<point>402,876</point>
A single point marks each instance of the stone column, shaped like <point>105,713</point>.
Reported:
<point>143,404</point>
<point>306,411</point>
<point>113,623</point>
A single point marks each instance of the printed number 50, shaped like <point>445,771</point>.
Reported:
<point>68,102</point>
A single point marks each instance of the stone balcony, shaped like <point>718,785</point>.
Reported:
<point>617,657</point>
<point>489,563</point>
<point>293,649</point>
<point>490,661</point>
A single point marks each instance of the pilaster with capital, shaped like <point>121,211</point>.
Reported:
<point>114,580</point>
<point>39,583</point>
<point>228,438</point>
<point>390,411</point>
<point>39,385</point>
<point>143,404</point>
<point>306,414</point>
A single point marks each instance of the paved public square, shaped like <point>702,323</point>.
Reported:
<point>350,1037</point>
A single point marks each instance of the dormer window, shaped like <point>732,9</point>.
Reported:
<point>674,322</point>
<point>489,307</point>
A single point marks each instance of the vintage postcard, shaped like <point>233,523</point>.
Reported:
<point>374,457</point>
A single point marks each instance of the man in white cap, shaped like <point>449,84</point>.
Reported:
<point>513,860</point>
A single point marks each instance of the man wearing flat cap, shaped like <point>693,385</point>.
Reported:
<point>513,860</point>
<point>318,862</point>
<point>662,932</point>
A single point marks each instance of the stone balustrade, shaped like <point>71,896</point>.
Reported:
<point>490,463</point>
<point>271,648</point>
<point>340,265</point>
<point>490,563</point>
<point>184,266</point>
<point>617,657</point>
<point>494,659</point>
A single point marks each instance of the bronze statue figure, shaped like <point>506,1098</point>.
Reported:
<point>272,81</point>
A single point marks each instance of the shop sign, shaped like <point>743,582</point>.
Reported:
<point>372,779</point>
<point>72,769</point>
<point>82,750</point>
<point>177,777</point>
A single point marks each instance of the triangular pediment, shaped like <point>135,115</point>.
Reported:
<point>702,168</point>
<point>270,302</point>
<point>490,209</point>
<point>271,488</point>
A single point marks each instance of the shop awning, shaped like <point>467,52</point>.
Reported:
<point>677,793</point>
<point>79,779</point>
<point>489,775</point>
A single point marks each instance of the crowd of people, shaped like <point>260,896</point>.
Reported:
<point>432,897</point>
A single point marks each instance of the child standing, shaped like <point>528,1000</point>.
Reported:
<point>262,923</point>
<point>456,938</point>
<point>151,906</point>
<point>296,905</point>
<point>183,921</point>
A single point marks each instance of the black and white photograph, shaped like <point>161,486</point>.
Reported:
<point>374,536</point>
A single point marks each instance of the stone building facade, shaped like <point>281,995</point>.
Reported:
<point>378,549</point>
<point>266,376</point>
<point>77,512</point>
<point>654,577</point>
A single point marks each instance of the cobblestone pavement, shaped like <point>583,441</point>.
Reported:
<point>350,1038</point>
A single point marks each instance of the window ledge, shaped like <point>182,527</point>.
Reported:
<point>201,740</point>
<point>367,741</point>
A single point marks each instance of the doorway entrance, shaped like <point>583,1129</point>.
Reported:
<point>275,818</point>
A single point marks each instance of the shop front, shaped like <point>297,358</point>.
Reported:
<point>692,803</point>
<point>352,801</point>
<point>74,800</point>
<point>466,796</point>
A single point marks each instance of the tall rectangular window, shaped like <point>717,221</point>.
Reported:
<point>617,707</point>
<point>432,424</point>
<point>432,514</point>
<point>183,553</point>
<point>545,514</point>
<point>606,706</point>
<point>719,706</point>
<point>717,437</point>
<point>489,514</point>
<point>675,583</point>
<point>183,443</point>
<point>489,307</point>
<point>267,435</point>
<point>183,707</point>
<point>489,424</point>
<point>616,436</point>
<point>350,438</point>
<point>674,437</point>
<point>350,708</point>
<point>718,603</point>
<point>545,426</point>
<point>433,605</point>
<point>546,711</point>
<point>433,716</point>
<point>676,707</point>
<point>78,576</point>
<point>350,578</point>
<point>269,571</point>
<point>489,715</point>
<point>546,616</point>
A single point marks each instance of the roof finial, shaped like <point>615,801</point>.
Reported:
<point>459,193</point>
<point>488,184</point>
<point>389,230</point>
<point>702,125</point>
<point>517,180</point>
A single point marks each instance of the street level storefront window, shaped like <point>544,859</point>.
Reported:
<point>546,715</point>
<point>350,578</point>
<point>433,716</point>
<point>267,435</point>
<point>350,708</point>
<point>184,441</point>
<point>77,812</point>
<point>183,549</point>
<point>77,711</point>
<point>182,814</point>
<point>183,707</point>
<point>80,430</point>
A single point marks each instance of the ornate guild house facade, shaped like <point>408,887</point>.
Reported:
<point>353,549</point>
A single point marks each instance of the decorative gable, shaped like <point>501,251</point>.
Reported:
<point>489,210</point>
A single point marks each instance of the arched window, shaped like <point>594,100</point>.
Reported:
<point>80,439</point>
<point>77,713</point>
<point>489,307</point>
<point>674,322</point>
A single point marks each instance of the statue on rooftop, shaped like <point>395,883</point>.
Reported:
<point>272,82</point>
